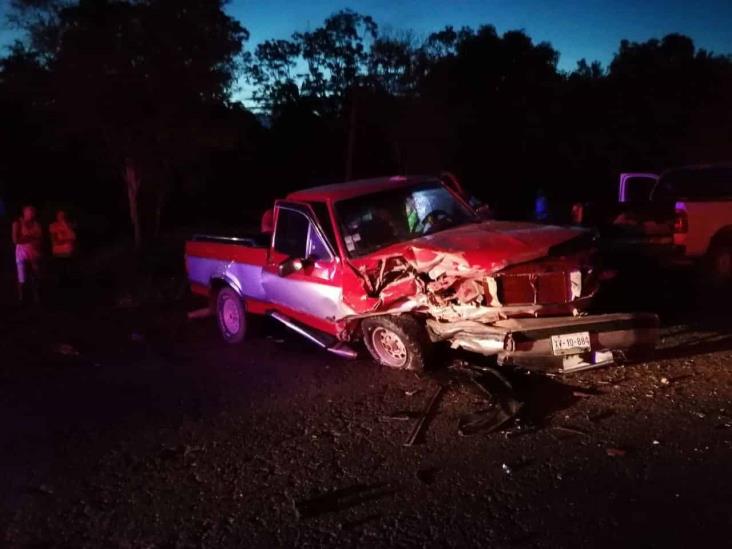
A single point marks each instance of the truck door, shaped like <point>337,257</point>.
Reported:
<point>636,187</point>
<point>302,274</point>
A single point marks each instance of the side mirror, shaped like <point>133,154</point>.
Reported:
<point>484,212</point>
<point>289,266</point>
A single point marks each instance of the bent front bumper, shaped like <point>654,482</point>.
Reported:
<point>528,342</point>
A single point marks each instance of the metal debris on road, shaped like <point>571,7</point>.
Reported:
<point>519,429</point>
<point>488,421</point>
<point>570,430</point>
<point>400,416</point>
<point>422,423</point>
<point>504,404</point>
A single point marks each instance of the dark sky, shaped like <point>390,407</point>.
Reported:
<point>577,28</point>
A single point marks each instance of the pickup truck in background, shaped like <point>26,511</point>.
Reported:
<point>403,263</point>
<point>683,215</point>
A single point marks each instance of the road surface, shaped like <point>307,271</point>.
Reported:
<point>135,427</point>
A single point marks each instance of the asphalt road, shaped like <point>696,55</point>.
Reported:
<point>137,428</point>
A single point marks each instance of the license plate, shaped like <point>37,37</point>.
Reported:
<point>567,344</point>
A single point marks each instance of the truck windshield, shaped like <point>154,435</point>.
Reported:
<point>373,221</point>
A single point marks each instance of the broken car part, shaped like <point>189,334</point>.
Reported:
<point>492,385</point>
<point>540,343</point>
<point>502,403</point>
<point>422,422</point>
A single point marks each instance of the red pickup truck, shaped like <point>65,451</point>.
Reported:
<point>403,263</point>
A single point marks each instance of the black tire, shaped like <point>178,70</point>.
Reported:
<point>719,264</point>
<point>231,315</point>
<point>397,341</point>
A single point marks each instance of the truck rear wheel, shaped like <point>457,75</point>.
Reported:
<point>397,341</point>
<point>719,264</point>
<point>231,315</point>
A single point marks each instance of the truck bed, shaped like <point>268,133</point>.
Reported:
<point>236,260</point>
<point>642,229</point>
<point>253,240</point>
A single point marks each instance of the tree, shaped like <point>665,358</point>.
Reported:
<point>270,71</point>
<point>392,62</point>
<point>138,79</point>
<point>146,84</point>
<point>670,102</point>
<point>588,71</point>
<point>336,56</point>
<point>40,20</point>
<point>24,110</point>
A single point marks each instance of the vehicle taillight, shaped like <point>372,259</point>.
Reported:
<point>681,222</point>
<point>681,227</point>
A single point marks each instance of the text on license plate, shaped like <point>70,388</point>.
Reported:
<point>571,343</point>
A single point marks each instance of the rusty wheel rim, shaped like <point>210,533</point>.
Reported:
<point>230,316</point>
<point>390,347</point>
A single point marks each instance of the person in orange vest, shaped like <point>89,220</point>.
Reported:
<point>578,213</point>
<point>27,236</point>
<point>63,237</point>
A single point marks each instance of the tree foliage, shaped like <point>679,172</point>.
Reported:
<point>336,54</point>
<point>102,85</point>
<point>137,81</point>
<point>272,75</point>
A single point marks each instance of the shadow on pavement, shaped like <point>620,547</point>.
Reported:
<point>343,498</point>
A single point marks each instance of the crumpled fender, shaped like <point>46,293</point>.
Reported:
<point>448,275</point>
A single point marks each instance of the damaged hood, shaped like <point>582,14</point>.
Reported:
<point>488,246</point>
<point>449,274</point>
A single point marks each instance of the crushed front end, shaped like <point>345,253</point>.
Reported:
<point>542,320</point>
<point>526,309</point>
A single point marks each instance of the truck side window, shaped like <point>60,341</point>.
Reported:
<point>316,247</point>
<point>323,217</point>
<point>291,233</point>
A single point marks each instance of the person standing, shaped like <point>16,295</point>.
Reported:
<point>63,237</point>
<point>63,247</point>
<point>577,214</point>
<point>541,207</point>
<point>27,236</point>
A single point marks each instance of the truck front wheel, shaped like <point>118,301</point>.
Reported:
<point>231,315</point>
<point>397,341</point>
